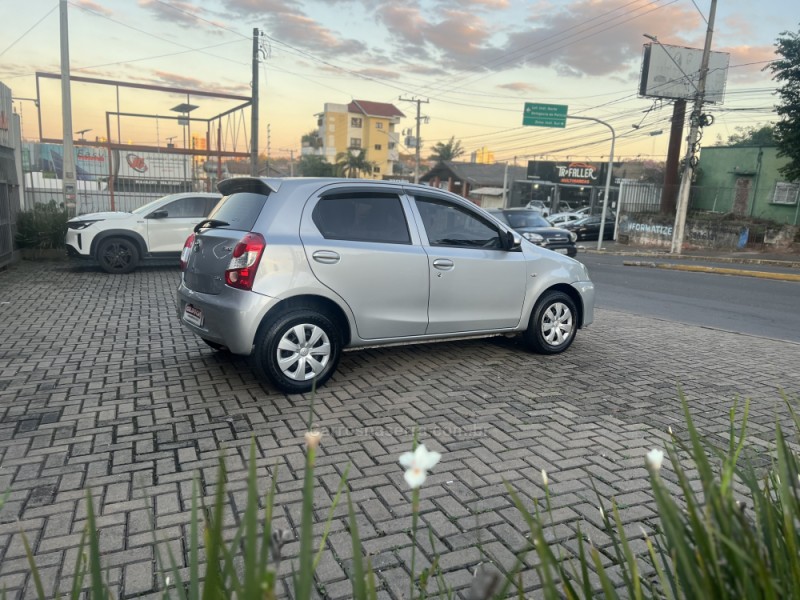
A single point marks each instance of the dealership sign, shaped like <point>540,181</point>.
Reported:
<point>565,172</point>
<point>151,166</point>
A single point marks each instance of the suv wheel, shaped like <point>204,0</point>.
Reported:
<point>117,255</point>
<point>298,348</point>
<point>553,324</point>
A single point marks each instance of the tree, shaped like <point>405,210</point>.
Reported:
<point>311,165</point>
<point>786,70</point>
<point>754,135</point>
<point>352,163</point>
<point>452,149</point>
<point>312,139</point>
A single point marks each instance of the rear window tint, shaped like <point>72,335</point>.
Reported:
<point>362,218</point>
<point>240,210</point>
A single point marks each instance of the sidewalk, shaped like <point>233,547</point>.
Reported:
<point>778,259</point>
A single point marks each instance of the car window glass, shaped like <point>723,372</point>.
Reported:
<point>239,210</point>
<point>186,207</point>
<point>450,225</point>
<point>524,218</point>
<point>362,218</point>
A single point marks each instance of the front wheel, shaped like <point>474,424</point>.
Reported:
<point>297,349</point>
<point>553,324</point>
<point>117,256</point>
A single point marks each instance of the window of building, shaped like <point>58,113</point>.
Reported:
<point>391,145</point>
<point>786,193</point>
<point>450,225</point>
<point>357,122</point>
<point>355,142</point>
<point>376,169</point>
<point>362,218</point>
<point>378,125</point>
<point>378,146</point>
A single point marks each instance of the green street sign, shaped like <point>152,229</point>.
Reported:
<point>545,115</point>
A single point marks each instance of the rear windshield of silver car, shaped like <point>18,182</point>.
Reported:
<point>239,210</point>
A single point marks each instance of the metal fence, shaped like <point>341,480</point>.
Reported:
<point>638,197</point>
<point>9,201</point>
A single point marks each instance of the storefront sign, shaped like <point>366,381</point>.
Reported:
<point>563,172</point>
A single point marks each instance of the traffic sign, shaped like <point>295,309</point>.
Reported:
<point>545,115</point>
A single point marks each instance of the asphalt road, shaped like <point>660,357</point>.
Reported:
<point>766,308</point>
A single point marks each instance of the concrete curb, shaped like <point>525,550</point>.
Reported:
<point>717,270</point>
<point>767,262</point>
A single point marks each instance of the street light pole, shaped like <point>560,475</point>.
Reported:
<point>690,161</point>
<point>608,175</point>
<point>69,181</point>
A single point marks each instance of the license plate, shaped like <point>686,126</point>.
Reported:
<point>193,315</point>
<point>562,250</point>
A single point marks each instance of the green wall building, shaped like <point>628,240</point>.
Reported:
<point>744,180</point>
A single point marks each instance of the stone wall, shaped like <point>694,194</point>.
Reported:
<point>656,231</point>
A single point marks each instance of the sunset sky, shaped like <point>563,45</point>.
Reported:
<point>477,61</point>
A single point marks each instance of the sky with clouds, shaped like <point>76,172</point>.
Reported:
<point>476,61</point>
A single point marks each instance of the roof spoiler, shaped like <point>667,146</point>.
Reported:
<point>255,185</point>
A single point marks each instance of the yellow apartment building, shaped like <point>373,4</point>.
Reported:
<point>362,124</point>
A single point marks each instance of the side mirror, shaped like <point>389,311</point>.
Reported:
<point>513,241</point>
<point>159,214</point>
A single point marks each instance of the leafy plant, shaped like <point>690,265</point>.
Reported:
<point>42,228</point>
<point>708,542</point>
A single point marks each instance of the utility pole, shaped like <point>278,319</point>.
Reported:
<point>416,143</point>
<point>269,148</point>
<point>68,175</point>
<point>291,163</point>
<point>690,161</point>
<point>673,158</point>
<point>254,107</point>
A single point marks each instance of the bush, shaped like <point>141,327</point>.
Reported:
<point>42,228</point>
<point>710,543</point>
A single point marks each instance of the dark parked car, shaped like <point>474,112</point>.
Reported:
<point>535,228</point>
<point>589,228</point>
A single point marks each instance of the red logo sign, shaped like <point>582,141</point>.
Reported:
<point>136,163</point>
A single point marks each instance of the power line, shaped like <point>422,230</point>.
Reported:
<point>27,31</point>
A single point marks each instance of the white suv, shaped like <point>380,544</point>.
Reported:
<point>118,241</point>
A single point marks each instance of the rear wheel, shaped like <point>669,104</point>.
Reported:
<point>553,323</point>
<point>298,348</point>
<point>117,256</point>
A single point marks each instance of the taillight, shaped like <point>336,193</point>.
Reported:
<point>187,249</point>
<point>246,255</point>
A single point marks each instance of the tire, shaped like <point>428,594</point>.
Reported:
<point>215,345</point>
<point>281,340</point>
<point>553,324</point>
<point>117,256</point>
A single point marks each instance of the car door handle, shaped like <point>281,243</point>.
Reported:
<point>443,264</point>
<point>326,257</point>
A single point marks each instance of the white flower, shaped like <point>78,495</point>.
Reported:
<point>654,458</point>
<point>417,464</point>
<point>313,438</point>
<point>669,429</point>
<point>166,580</point>
<point>544,477</point>
<point>602,512</point>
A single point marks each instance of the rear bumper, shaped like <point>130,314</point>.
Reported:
<point>230,318</point>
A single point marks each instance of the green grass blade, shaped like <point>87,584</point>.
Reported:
<point>194,543</point>
<point>359,587</point>
<point>95,571</point>
<point>37,579</point>
<point>212,586</point>
<point>252,579</point>
<point>305,577</point>
<point>329,520</point>
<point>79,572</point>
<point>266,530</point>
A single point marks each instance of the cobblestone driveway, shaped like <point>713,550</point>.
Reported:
<point>100,387</point>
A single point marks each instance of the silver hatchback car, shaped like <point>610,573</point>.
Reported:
<point>293,271</point>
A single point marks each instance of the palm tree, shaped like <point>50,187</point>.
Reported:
<point>452,149</point>
<point>353,162</point>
